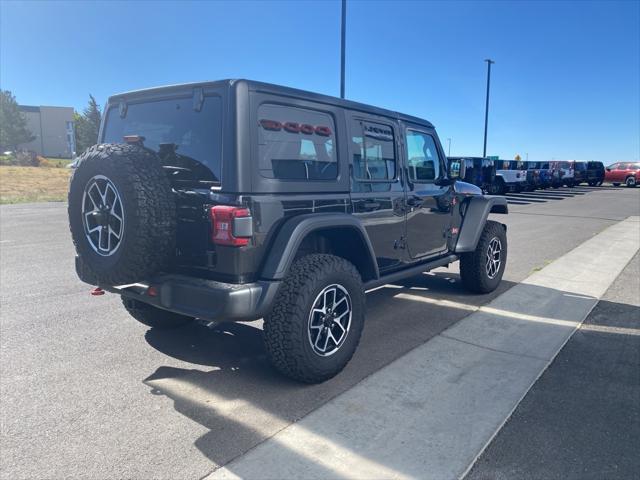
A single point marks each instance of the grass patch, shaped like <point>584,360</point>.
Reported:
<point>59,162</point>
<point>9,160</point>
<point>33,184</point>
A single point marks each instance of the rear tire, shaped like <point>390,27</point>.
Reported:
<point>481,270</point>
<point>153,316</point>
<point>296,331</point>
<point>630,182</point>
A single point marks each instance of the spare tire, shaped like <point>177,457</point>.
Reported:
<point>122,214</point>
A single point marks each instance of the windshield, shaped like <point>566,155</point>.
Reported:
<point>185,139</point>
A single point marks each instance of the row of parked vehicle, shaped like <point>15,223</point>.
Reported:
<point>498,177</point>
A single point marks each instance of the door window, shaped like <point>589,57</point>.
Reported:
<point>423,160</point>
<point>373,152</point>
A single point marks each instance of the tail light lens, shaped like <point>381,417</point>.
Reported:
<point>230,225</point>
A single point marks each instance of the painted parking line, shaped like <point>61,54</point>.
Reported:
<point>431,413</point>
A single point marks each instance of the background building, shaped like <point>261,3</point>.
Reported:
<point>53,129</point>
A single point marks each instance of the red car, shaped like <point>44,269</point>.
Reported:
<point>623,172</point>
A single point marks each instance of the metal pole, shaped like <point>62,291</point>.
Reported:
<point>449,150</point>
<point>342,46</point>
<point>486,111</point>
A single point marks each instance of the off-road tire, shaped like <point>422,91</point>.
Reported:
<point>473,271</point>
<point>154,317</point>
<point>499,187</point>
<point>148,237</point>
<point>286,326</point>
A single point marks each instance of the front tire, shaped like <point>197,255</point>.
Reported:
<point>153,316</point>
<point>630,182</point>
<point>317,319</point>
<point>481,270</point>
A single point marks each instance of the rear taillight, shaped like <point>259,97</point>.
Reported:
<point>230,225</point>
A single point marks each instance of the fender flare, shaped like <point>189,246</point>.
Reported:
<point>475,218</point>
<point>293,232</point>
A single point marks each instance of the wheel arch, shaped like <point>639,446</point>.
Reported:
<point>339,234</point>
<point>474,219</point>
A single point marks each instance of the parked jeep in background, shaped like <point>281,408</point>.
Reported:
<point>477,171</point>
<point>511,176</point>
<point>623,172</point>
<point>546,174</point>
<point>595,173</point>
<point>239,200</point>
<point>565,169</point>
<point>579,173</point>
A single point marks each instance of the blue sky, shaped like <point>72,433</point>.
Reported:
<point>566,83</point>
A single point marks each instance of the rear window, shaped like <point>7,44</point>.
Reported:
<point>182,136</point>
<point>296,144</point>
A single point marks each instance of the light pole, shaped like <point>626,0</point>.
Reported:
<point>449,148</point>
<point>342,45</point>
<point>486,110</point>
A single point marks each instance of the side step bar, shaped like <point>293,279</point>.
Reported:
<point>410,272</point>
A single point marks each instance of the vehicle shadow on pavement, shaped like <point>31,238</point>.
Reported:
<point>242,400</point>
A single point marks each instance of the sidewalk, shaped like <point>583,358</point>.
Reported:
<point>430,413</point>
<point>582,418</point>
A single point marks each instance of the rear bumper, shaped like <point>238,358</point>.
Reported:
<point>206,299</point>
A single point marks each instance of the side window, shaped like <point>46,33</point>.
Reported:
<point>423,161</point>
<point>373,151</point>
<point>296,144</point>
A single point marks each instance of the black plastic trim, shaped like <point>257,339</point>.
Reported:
<point>475,217</point>
<point>285,246</point>
<point>206,299</point>
<point>411,271</point>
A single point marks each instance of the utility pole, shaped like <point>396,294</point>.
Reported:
<point>486,110</point>
<point>342,46</point>
<point>449,149</point>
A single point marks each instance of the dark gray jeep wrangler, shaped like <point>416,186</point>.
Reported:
<point>239,200</point>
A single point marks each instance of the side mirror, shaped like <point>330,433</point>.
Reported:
<point>456,169</point>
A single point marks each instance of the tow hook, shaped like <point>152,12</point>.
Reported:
<point>97,292</point>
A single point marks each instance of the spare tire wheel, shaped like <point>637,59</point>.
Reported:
<point>122,213</point>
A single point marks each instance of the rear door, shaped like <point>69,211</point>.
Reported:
<point>377,194</point>
<point>617,174</point>
<point>428,205</point>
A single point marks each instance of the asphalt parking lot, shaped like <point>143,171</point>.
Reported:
<point>87,392</point>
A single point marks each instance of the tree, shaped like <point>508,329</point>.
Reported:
<point>13,124</point>
<point>87,125</point>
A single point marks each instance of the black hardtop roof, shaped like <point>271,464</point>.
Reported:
<point>277,90</point>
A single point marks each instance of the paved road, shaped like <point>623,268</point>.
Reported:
<point>87,392</point>
<point>582,418</point>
